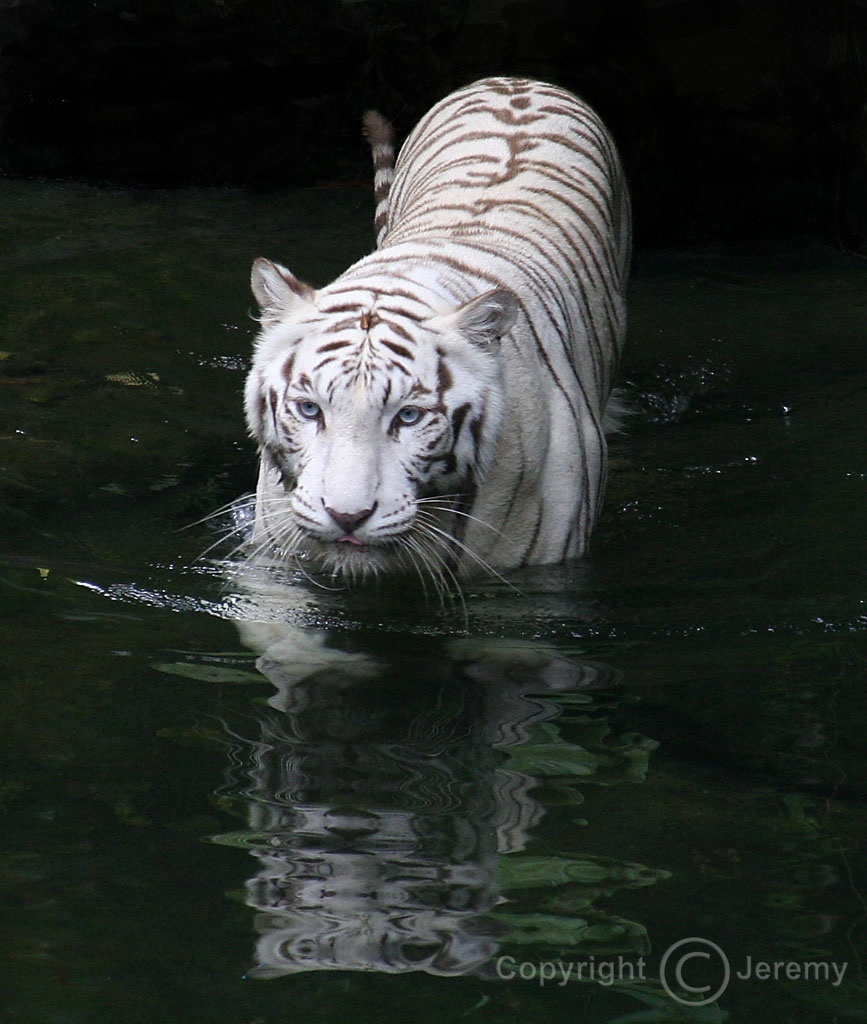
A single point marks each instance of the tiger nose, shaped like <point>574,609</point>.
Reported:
<point>350,521</point>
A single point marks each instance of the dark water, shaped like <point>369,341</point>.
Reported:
<point>568,773</point>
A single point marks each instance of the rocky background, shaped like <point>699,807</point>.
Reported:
<point>736,117</point>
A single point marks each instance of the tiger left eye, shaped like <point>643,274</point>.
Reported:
<point>308,410</point>
<point>408,416</point>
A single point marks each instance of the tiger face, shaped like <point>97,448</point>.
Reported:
<point>376,416</point>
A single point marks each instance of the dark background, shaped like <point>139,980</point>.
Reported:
<point>737,118</point>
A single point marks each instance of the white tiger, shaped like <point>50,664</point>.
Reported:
<point>440,405</point>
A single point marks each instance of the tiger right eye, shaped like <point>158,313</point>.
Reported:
<point>308,410</point>
<point>409,415</point>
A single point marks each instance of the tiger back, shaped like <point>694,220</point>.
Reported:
<point>440,406</point>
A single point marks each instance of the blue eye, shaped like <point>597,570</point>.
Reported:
<point>409,415</point>
<point>308,410</point>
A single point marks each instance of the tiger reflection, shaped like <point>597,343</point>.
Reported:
<point>379,812</point>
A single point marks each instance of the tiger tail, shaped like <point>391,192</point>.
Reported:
<point>380,134</point>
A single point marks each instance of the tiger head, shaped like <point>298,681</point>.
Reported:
<point>376,414</point>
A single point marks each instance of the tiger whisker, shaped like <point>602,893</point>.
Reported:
<point>311,579</point>
<point>429,503</point>
<point>239,531</point>
<point>427,565</point>
<point>430,527</point>
<point>292,535</point>
<point>431,561</point>
<point>245,503</point>
<point>435,552</point>
<point>409,549</point>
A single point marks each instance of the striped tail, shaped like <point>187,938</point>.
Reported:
<point>380,135</point>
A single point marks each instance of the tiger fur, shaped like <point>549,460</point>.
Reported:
<point>440,406</point>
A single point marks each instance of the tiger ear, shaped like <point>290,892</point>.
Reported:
<point>485,319</point>
<point>277,291</point>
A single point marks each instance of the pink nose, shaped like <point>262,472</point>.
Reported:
<point>350,521</point>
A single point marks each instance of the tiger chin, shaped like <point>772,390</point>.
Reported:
<point>439,408</point>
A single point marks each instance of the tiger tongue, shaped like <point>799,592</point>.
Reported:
<point>348,538</point>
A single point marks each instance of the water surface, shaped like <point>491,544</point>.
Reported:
<point>570,771</point>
